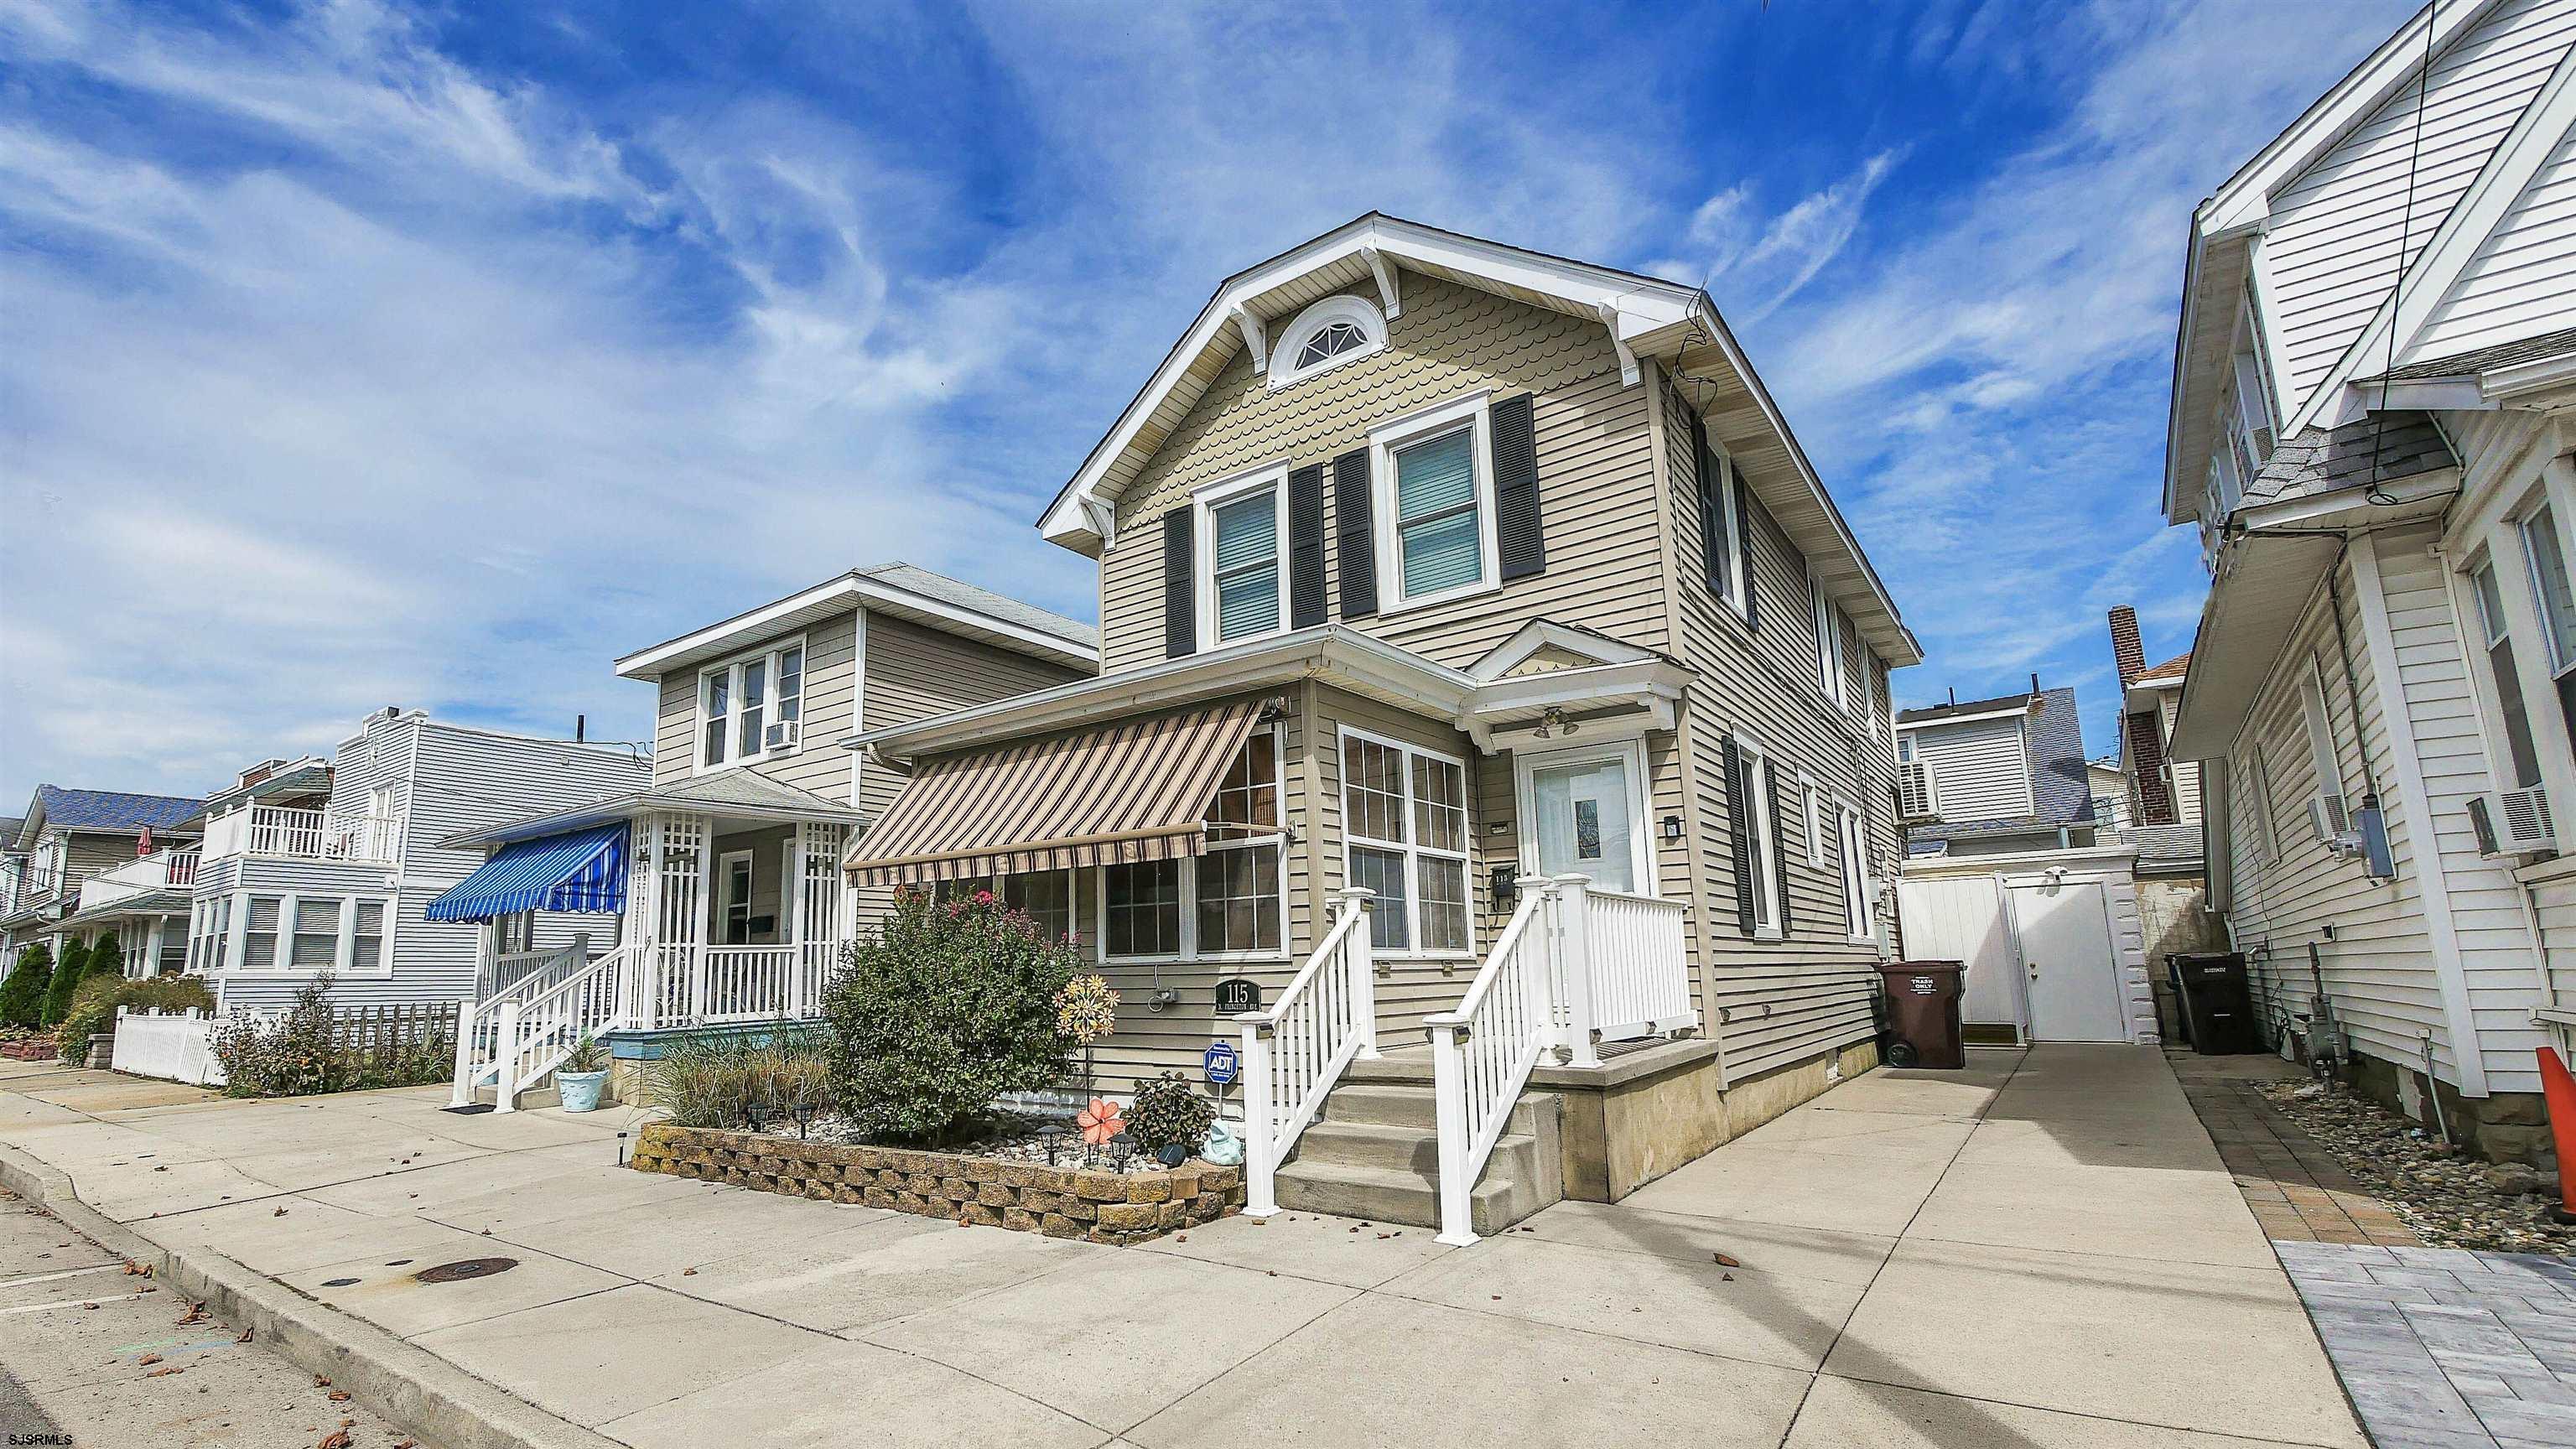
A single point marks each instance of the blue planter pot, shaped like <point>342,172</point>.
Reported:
<point>580,1089</point>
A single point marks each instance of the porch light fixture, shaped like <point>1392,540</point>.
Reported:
<point>1672,827</point>
<point>1553,718</point>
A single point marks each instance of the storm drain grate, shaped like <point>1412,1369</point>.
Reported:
<point>458,1272</point>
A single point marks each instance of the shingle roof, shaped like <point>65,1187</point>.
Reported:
<point>2485,359</point>
<point>2382,448</point>
<point>10,827</point>
<point>968,596</point>
<point>2173,668</point>
<point>2166,847</point>
<point>2061,785</point>
<point>62,809</point>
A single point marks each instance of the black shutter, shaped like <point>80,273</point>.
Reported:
<point>1517,534</point>
<point>1306,546</point>
<point>1353,540</point>
<point>1737,821</point>
<point>1712,515</point>
<point>1744,538</point>
<point>1784,830</point>
<point>1180,583</point>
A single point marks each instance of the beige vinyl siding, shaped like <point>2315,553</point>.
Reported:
<point>2186,773</point>
<point>2522,281</point>
<point>1980,768</point>
<point>2331,249</point>
<point>915,673</point>
<point>818,763</point>
<point>1595,466</point>
<point>1772,1003</point>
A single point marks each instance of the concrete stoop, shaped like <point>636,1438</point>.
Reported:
<point>546,1095</point>
<point>1373,1153</point>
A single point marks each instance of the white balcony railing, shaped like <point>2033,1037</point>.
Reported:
<point>171,869</point>
<point>276,830</point>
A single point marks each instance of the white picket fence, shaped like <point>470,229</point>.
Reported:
<point>174,1046</point>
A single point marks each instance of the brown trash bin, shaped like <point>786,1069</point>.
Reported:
<point>1923,1013</point>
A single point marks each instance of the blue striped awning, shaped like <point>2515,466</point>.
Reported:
<point>580,870</point>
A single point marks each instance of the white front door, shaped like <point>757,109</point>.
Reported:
<point>1585,814</point>
<point>2074,977</point>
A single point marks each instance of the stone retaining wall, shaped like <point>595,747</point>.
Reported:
<point>1030,1197</point>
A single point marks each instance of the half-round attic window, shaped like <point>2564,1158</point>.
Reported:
<point>1331,332</point>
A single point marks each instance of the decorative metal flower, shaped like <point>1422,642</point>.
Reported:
<point>1100,1121</point>
<point>1086,1009</point>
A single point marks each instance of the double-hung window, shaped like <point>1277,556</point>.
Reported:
<point>1811,799</point>
<point>1046,897</point>
<point>1858,923</point>
<point>2550,587</point>
<point>1829,646</point>
<point>751,708</point>
<point>1404,820</point>
<point>1757,817</point>
<point>2519,753</point>
<point>1722,528</point>
<point>1242,525</point>
<point>315,935</point>
<point>1227,903</point>
<point>1434,488</point>
<point>259,940</point>
<point>367,937</point>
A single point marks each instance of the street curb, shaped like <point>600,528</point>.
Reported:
<point>415,1388</point>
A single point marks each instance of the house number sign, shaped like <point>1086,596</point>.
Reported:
<point>1236,995</point>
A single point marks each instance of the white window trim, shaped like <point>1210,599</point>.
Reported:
<point>1475,411</point>
<point>1730,533</point>
<point>1829,647</point>
<point>1411,851</point>
<point>1204,502</point>
<point>1860,923</point>
<point>1811,804</point>
<point>1525,764</point>
<point>2322,755</point>
<point>724,883</point>
<point>1358,311</point>
<point>229,945</point>
<point>1189,885</point>
<point>731,667</point>
<point>1761,815</point>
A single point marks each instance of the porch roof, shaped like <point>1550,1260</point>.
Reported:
<point>143,903</point>
<point>1134,790</point>
<point>580,870</point>
<point>738,793</point>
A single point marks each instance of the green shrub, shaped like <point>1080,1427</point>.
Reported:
<point>282,1058</point>
<point>93,1007</point>
<point>1168,1110</point>
<point>80,966</point>
<point>941,1009</point>
<point>22,996</point>
<point>736,1081</point>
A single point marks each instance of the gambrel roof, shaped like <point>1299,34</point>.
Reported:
<point>1647,317</point>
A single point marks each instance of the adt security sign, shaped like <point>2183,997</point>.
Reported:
<point>1223,1064</point>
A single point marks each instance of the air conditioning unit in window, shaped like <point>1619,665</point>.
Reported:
<point>779,736</point>
<point>1914,794</point>
<point>2513,822</point>
<point>2332,821</point>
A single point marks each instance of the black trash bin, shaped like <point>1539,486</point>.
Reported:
<point>2216,1002</point>
<point>1922,999</point>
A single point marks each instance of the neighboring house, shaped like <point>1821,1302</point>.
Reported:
<point>2163,797</point>
<point>2109,786</point>
<point>1441,570</point>
<point>67,839</point>
<point>2370,427</point>
<point>717,880</point>
<point>1995,776</point>
<point>2012,868</point>
<point>311,866</point>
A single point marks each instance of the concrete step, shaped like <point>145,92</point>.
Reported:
<point>544,1094</point>
<point>1376,1195</point>
<point>1404,1104</point>
<point>1350,1163</point>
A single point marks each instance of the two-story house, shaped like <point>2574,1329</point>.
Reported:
<point>1994,776</point>
<point>69,837</point>
<point>311,867</point>
<point>2373,382</point>
<point>716,882</point>
<point>1479,650</point>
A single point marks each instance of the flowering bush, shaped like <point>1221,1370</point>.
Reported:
<point>941,1009</point>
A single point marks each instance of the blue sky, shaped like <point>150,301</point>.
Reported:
<point>357,354</point>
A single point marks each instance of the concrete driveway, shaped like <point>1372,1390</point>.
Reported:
<point>2043,1250</point>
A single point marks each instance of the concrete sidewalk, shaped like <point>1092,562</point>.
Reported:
<point>2044,1250</point>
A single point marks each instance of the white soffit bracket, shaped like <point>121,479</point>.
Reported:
<point>1253,337</point>
<point>1628,373</point>
<point>1389,301</point>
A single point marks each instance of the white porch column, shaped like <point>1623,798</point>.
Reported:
<point>791,901</point>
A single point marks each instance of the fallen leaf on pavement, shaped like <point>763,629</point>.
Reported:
<point>339,1396</point>
<point>149,1358</point>
<point>167,1368</point>
<point>1724,1261</point>
<point>245,1336</point>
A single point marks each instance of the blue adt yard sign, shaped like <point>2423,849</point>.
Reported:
<point>1223,1064</point>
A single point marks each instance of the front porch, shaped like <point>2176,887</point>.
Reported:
<point>713,903</point>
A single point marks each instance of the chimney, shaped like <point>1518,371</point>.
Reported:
<point>2126,650</point>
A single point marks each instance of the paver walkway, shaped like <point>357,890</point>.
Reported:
<point>2438,1348</point>
<point>2042,1250</point>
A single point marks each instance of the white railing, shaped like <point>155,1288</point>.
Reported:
<point>543,968</point>
<point>1631,978</point>
<point>1482,1053</point>
<point>1296,1050</point>
<point>172,868</point>
<point>173,1046</point>
<point>304,835</point>
<point>519,1036</point>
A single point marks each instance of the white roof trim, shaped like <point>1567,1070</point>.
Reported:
<point>858,588</point>
<point>2016,712</point>
<point>1538,634</point>
<point>2536,134</point>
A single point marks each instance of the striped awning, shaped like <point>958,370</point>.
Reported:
<point>579,870</point>
<point>1136,790</point>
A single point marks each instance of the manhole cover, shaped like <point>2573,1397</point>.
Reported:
<point>469,1268</point>
<point>338,1282</point>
